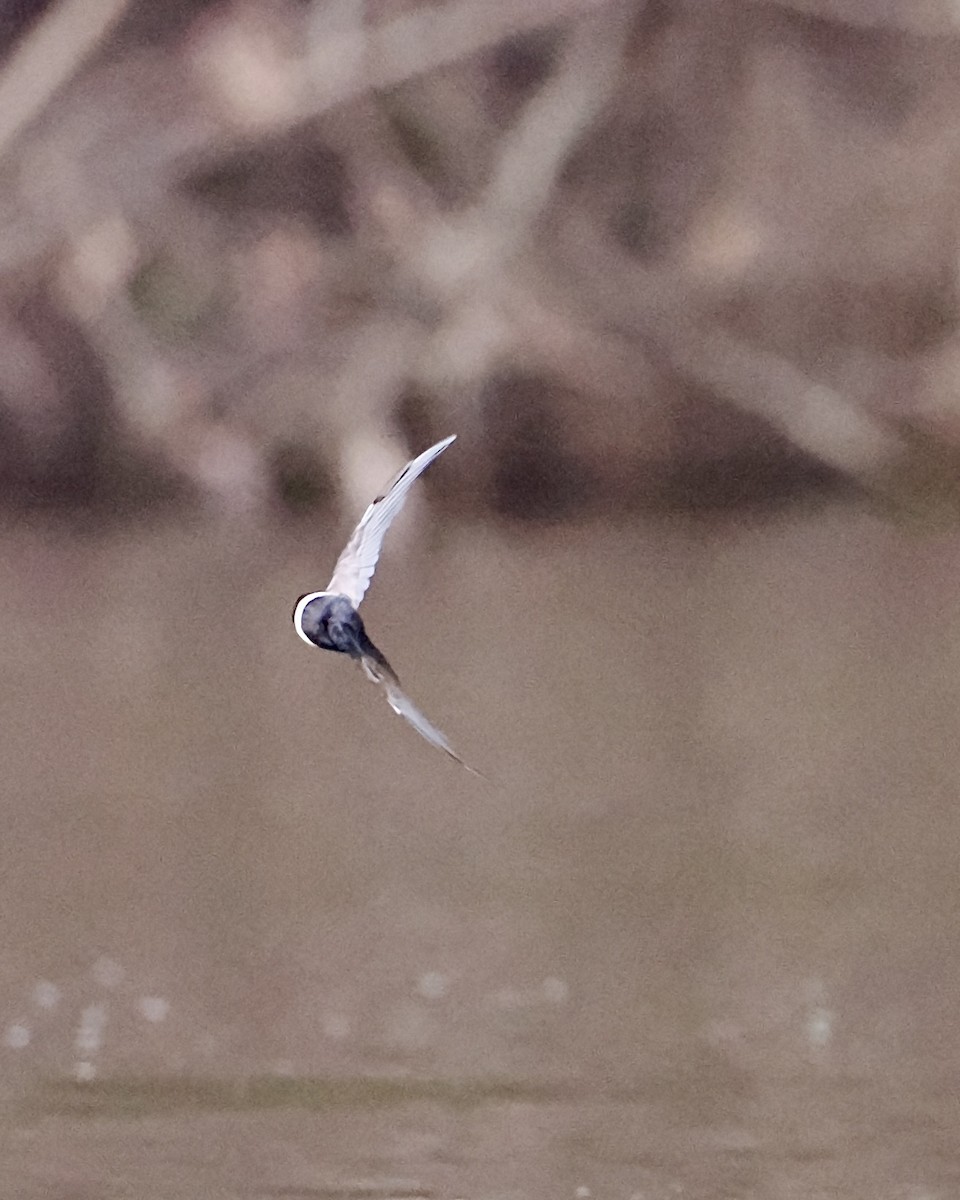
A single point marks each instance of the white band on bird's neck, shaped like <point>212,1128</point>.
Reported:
<point>299,610</point>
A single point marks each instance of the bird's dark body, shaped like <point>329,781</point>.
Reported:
<point>332,623</point>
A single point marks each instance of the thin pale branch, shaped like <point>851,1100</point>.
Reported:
<point>536,148</point>
<point>661,311</point>
<point>49,57</point>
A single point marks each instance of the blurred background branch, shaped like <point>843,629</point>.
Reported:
<point>675,252</point>
<point>50,56</point>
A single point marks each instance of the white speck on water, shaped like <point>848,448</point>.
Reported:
<point>84,1071</point>
<point>555,991</point>
<point>154,1008</point>
<point>89,1036</point>
<point>433,985</point>
<point>582,1193</point>
<point>17,1036</point>
<point>46,995</point>
<point>820,1027</point>
<point>336,1026</point>
<point>107,972</point>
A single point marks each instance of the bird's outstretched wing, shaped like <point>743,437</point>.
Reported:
<point>355,566</point>
<point>401,704</point>
<point>381,672</point>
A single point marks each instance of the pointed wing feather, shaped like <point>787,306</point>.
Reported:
<point>382,673</point>
<point>403,706</point>
<point>357,563</point>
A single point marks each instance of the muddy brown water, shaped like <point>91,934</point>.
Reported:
<point>699,939</point>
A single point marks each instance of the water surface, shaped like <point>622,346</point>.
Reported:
<point>700,938</point>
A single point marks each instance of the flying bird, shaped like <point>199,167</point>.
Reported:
<point>330,620</point>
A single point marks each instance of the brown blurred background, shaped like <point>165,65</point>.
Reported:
<point>683,278</point>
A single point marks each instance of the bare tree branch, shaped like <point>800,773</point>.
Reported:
<point>664,313</point>
<point>49,57</point>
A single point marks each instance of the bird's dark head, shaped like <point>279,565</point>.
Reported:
<point>319,615</point>
<point>309,617</point>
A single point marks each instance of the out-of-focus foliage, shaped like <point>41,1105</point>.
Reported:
<point>664,252</point>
